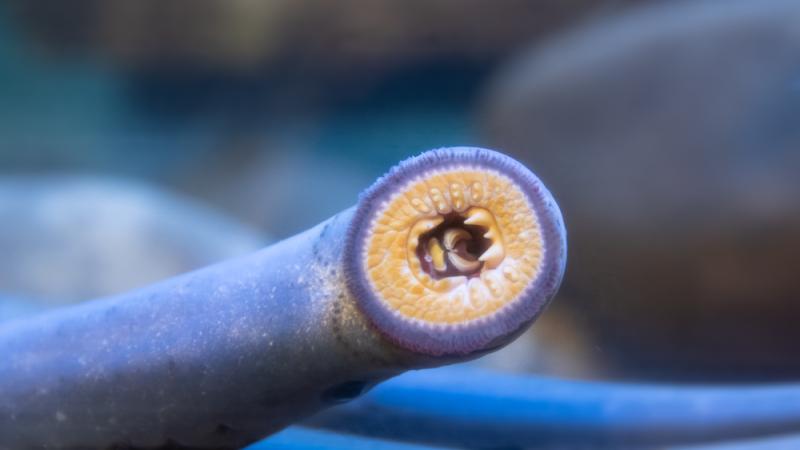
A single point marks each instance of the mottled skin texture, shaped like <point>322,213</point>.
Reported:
<point>216,358</point>
<point>223,356</point>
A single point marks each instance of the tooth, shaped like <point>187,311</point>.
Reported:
<point>439,200</point>
<point>457,197</point>
<point>477,294</point>
<point>412,241</point>
<point>476,191</point>
<point>511,274</point>
<point>462,264</point>
<point>420,206</point>
<point>477,216</point>
<point>453,235</point>
<point>495,286</point>
<point>436,253</point>
<point>493,256</point>
<point>425,225</point>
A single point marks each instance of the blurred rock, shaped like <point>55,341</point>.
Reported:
<point>285,192</point>
<point>557,345</point>
<point>72,238</point>
<point>670,137</point>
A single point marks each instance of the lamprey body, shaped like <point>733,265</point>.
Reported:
<point>450,255</point>
<point>470,408</point>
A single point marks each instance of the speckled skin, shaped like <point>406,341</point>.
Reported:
<point>216,358</point>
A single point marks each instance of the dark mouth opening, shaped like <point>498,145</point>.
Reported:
<point>460,259</point>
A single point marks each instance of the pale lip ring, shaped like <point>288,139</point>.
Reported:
<point>481,334</point>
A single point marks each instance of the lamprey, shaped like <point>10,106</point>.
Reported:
<point>450,255</point>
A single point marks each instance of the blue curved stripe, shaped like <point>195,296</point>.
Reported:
<point>476,408</point>
<point>299,438</point>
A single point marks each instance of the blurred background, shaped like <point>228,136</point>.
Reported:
<point>139,140</point>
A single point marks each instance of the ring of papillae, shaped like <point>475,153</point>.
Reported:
<point>453,246</point>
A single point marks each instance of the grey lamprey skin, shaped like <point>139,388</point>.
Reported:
<point>226,355</point>
<point>216,358</point>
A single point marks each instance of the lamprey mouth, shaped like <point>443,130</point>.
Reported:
<point>452,223</point>
<point>456,246</point>
<point>456,238</point>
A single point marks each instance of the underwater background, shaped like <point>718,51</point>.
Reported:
<point>139,140</point>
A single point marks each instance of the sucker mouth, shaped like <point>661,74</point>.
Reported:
<point>439,251</point>
<point>454,249</point>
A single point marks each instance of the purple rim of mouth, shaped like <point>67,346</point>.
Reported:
<point>480,334</point>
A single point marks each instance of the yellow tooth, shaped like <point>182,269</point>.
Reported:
<point>420,206</point>
<point>453,235</point>
<point>425,225</point>
<point>476,192</point>
<point>493,256</point>
<point>441,203</point>
<point>510,273</point>
<point>495,286</point>
<point>480,217</point>
<point>460,296</point>
<point>457,197</point>
<point>418,229</point>
<point>477,293</point>
<point>436,253</point>
<point>463,264</point>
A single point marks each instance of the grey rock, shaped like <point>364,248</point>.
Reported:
<point>70,238</point>
<point>670,137</point>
